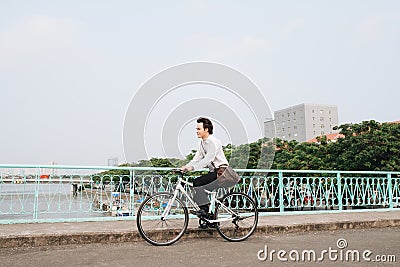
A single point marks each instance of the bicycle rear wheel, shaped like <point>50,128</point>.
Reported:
<point>238,216</point>
<point>162,231</point>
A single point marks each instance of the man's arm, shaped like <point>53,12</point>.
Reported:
<point>206,159</point>
<point>197,158</point>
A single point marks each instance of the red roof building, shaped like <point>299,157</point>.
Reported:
<point>329,137</point>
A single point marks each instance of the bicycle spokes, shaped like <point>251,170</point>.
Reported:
<point>238,220</point>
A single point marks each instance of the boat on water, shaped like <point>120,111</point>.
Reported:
<point>119,207</point>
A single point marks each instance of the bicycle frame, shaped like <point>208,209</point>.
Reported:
<point>214,200</point>
<point>228,215</point>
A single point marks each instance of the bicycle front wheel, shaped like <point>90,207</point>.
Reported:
<point>237,216</point>
<point>155,228</point>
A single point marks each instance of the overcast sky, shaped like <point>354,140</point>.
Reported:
<point>69,69</point>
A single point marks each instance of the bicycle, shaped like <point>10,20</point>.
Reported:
<point>163,218</point>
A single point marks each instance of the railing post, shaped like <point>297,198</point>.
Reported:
<point>390,191</point>
<point>36,199</point>
<point>102,188</point>
<point>339,192</point>
<point>281,205</point>
<point>132,191</point>
<point>91,181</point>
<point>112,190</point>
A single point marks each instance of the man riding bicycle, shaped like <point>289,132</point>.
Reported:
<point>209,154</point>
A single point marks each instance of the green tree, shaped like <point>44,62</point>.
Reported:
<point>368,146</point>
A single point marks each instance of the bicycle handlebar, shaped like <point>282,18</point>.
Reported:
<point>176,171</point>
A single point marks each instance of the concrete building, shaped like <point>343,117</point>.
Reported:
<point>112,162</point>
<point>302,122</point>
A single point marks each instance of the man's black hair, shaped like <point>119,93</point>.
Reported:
<point>207,124</point>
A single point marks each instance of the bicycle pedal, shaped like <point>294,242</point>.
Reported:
<point>203,226</point>
<point>212,225</point>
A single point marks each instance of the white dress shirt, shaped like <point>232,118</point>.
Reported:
<point>208,151</point>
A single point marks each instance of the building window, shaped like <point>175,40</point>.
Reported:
<point>322,133</point>
<point>313,125</point>
<point>295,127</point>
<point>312,111</point>
<point>313,132</point>
<point>294,113</point>
<point>321,111</point>
<point>321,119</point>
<point>330,112</point>
<point>313,118</point>
<point>322,126</point>
<point>289,135</point>
<point>288,114</point>
<point>283,129</point>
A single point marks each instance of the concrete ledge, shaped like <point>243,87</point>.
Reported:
<point>332,226</point>
<point>67,239</point>
<point>74,236</point>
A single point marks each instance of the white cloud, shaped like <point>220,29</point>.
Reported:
<point>368,30</point>
<point>218,48</point>
<point>194,8</point>
<point>36,34</point>
<point>375,29</point>
<point>291,27</point>
<point>247,45</point>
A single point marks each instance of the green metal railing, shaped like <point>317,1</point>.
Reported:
<point>77,193</point>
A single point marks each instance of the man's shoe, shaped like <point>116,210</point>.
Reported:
<point>199,213</point>
<point>212,225</point>
<point>205,225</point>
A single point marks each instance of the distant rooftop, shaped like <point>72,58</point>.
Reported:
<point>307,104</point>
<point>329,137</point>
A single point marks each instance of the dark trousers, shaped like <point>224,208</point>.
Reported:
<point>208,182</point>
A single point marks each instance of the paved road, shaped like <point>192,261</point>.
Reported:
<point>217,252</point>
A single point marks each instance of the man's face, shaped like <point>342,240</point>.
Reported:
<point>201,133</point>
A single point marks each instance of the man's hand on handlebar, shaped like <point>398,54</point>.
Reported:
<point>186,168</point>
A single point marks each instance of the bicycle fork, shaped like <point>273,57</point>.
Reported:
<point>169,205</point>
<point>178,188</point>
